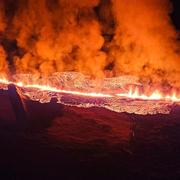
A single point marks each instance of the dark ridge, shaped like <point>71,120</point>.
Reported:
<point>17,105</point>
<point>41,115</point>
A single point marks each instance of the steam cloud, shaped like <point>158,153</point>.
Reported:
<point>95,37</point>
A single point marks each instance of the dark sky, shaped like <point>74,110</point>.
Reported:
<point>176,13</point>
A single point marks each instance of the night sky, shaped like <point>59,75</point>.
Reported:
<point>176,13</point>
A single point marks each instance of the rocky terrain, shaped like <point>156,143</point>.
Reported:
<point>53,141</point>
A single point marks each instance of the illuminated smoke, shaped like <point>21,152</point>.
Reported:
<point>95,37</point>
<point>145,42</point>
<point>3,63</point>
<point>59,36</point>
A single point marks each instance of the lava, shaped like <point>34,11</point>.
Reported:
<point>53,89</point>
<point>156,95</point>
<point>131,94</point>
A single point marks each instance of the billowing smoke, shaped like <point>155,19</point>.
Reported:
<point>145,42</point>
<point>95,37</point>
<point>3,62</point>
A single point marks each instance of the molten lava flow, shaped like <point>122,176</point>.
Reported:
<point>53,89</point>
<point>121,94</point>
<point>156,95</point>
<point>131,94</point>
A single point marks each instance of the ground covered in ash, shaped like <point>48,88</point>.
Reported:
<point>53,141</point>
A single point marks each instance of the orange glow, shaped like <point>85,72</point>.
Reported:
<point>156,95</point>
<point>131,94</point>
<point>53,89</point>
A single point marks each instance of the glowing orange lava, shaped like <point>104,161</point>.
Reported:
<point>156,95</point>
<point>131,94</point>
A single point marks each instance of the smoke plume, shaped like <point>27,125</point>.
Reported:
<point>96,37</point>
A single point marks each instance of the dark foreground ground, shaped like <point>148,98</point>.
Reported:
<point>50,141</point>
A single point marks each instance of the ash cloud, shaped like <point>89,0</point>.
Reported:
<point>95,37</point>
